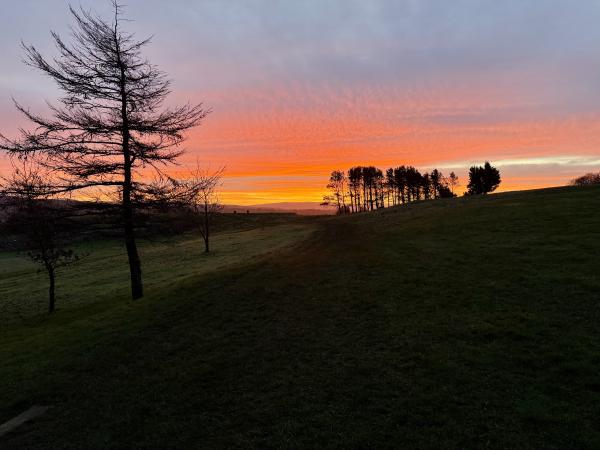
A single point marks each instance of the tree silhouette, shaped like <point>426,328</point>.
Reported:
<point>369,188</point>
<point>373,183</point>
<point>587,179</point>
<point>390,187</point>
<point>444,192</point>
<point>426,186</point>
<point>400,184</point>
<point>337,187</point>
<point>110,123</point>
<point>41,225</point>
<point>203,199</point>
<point>354,188</point>
<point>453,181</point>
<point>437,182</point>
<point>483,179</point>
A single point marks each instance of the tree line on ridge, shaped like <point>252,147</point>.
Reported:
<point>367,188</point>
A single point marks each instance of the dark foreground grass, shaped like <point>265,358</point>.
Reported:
<point>468,323</point>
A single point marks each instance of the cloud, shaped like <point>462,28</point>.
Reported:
<point>300,88</point>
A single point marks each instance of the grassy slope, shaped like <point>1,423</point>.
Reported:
<point>102,274</point>
<point>459,323</point>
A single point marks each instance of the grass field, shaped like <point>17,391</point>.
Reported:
<point>102,275</point>
<point>460,323</point>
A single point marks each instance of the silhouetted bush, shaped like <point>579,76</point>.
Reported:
<point>587,179</point>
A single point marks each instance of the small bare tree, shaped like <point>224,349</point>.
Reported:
<point>337,187</point>
<point>110,123</point>
<point>453,182</point>
<point>41,225</point>
<point>201,198</point>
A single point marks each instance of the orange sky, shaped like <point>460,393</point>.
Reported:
<point>299,89</point>
<point>283,152</point>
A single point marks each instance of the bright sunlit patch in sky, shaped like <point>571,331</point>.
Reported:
<point>300,88</point>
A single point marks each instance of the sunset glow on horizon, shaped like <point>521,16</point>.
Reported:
<point>299,89</point>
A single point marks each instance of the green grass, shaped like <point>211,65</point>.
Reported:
<point>102,273</point>
<point>461,323</point>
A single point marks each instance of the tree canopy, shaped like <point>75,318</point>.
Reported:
<point>483,179</point>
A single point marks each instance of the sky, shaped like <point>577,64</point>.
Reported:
<point>299,88</point>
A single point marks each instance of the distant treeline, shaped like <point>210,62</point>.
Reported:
<point>587,179</point>
<point>366,188</point>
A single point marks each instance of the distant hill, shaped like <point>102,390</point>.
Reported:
<point>302,208</point>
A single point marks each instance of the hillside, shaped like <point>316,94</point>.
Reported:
<point>459,323</point>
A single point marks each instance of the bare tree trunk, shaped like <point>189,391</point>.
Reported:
<point>51,298</point>
<point>206,230</point>
<point>135,265</point>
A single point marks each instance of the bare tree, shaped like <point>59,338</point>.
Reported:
<point>354,187</point>
<point>200,193</point>
<point>337,186</point>
<point>110,123</point>
<point>453,181</point>
<point>41,225</point>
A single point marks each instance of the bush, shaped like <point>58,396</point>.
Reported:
<point>588,178</point>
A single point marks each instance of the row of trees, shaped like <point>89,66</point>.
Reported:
<point>108,130</point>
<point>366,188</point>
